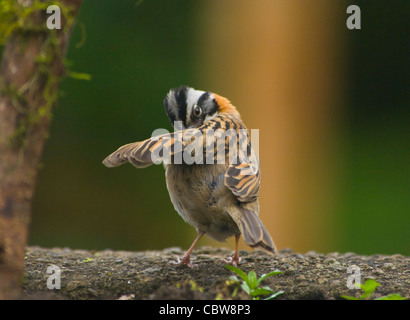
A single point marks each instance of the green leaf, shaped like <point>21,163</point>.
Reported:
<point>349,298</point>
<point>246,288</point>
<point>238,271</point>
<point>270,274</point>
<point>250,283</point>
<point>392,296</point>
<point>252,280</point>
<point>273,296</point>
<point>370,285</point>
<point>368,288</point>
<point>261,292</point>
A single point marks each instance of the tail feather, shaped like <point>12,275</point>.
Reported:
<point>254,232</point>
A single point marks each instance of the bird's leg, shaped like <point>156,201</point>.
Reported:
<point>235,260</point>
<point>186,259</point>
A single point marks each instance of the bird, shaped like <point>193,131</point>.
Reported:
<point>216,193</point>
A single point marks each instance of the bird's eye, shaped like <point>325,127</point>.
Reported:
<point>197,111</point>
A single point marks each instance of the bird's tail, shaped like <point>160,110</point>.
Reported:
<point>253,231</point>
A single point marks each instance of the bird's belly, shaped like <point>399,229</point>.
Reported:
<point>200,197</point>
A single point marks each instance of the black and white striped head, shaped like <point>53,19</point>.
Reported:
<point>192,108</point>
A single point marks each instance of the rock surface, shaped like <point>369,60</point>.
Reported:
<point>148,275</point>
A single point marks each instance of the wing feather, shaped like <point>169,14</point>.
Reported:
<point>141,154</point>
<point>242,178</point>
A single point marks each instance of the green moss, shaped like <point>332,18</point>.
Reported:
<point>15,17</point>
<point>18,21</point>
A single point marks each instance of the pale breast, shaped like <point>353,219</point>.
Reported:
<point>200,197</point>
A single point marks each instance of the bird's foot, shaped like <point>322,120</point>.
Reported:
<point>233,261</point>
<point>186,260</point>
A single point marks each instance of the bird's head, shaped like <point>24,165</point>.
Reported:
<point>195,107</point>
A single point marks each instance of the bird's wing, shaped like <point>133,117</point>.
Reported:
<point>243,179</point>
<point>242,176</point>
<point>143,153</point>
<point>163,148</point>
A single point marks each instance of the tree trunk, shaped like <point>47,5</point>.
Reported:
<point>31,68</point>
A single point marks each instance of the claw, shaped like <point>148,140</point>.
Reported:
<point>184,261</point>
<point>234,261</point>
<point>186,258</point>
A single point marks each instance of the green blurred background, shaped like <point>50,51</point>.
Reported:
<point>335,171</point>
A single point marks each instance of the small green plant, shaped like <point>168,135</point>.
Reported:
<point>251,284</point>
<point>368,288</point>
<point>88,260</point>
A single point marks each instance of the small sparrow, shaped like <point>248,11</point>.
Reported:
<point>217,197</point>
